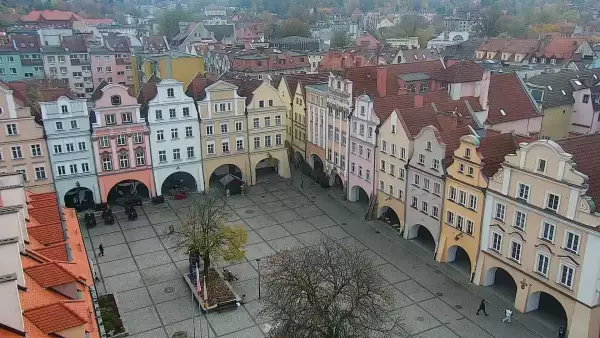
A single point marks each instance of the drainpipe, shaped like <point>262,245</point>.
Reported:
<point>248,145</point>
<point>479,241</point>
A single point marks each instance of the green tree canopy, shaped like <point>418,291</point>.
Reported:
<point>340,39</point>
<point>292,27</point>
<point>168,22</point>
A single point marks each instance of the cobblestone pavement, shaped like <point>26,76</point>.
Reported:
<point>143,269</point>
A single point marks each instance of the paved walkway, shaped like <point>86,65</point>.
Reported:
<point>143,269</point>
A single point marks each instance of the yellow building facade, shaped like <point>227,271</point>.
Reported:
<point>172,65</point>
<point>286,98</point>
<point>556,122</point>
<point>299,122</point>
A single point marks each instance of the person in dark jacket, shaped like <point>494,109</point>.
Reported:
<point>481,307</point>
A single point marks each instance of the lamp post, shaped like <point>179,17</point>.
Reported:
<point>77,198</point>
<point>258,266</point>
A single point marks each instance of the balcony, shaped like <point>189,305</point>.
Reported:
<point>123,61</point>
<point>32,62</point>
<point>79,62</point>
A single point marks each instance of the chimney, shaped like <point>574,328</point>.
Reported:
<point>450,62</point>
<point>418,101</point>
<point>382,81</point>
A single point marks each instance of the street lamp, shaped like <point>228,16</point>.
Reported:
<point>258,266</point>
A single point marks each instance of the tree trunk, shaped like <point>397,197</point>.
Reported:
<point>206,263</point>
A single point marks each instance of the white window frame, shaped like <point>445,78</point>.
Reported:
<point>491,244</point>
<point>548,200</point>
<point>517,212</point>
<point>565,239</point>
<point>561,266</point>
<point>539,253</point>
<point>495,215</point>
<point>510,250</point>
<point>541,234</point>
<point>527,191</point>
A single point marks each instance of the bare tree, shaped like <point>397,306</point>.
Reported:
<point>327,291</point>
<point>205,234</point>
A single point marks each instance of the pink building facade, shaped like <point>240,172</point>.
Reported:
<point>112,62</point>
<point>121,142</point>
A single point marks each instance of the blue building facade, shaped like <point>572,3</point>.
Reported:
<point>68,135</point>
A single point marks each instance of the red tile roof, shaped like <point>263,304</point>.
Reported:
<point>517,46</point>
<point>47,233</point>
<point>148,90</point>
<point>493,149</point>
<point>54,317</point>
<point>460,72</point>
<point>365,78</point>
<point>559,48</point>
<point>588,161</point>
<point>105,21</point>
<point>57,252</point>
<point>196,87</point>
<point>50,274</point>
<point>51,15</point>
<point>507,94</point>
<point>451,138</point>
<point>291,80</point>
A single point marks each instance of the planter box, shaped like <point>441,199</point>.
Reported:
<point>214,307</point>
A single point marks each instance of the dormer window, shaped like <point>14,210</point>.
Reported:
<point>428,146</point>
<point>533,60</point>
<point>362,111</point>
<point>468,153</point>
<point>115,100</point>
<point>64,109</point>
<point>541,166</point>
<point>423,87</point>
<point>542,60</point>
<point>170,92</point>
<point>410,88</point>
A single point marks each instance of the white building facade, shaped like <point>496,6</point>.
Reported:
<point>175,139</point>
<point>67,127</point>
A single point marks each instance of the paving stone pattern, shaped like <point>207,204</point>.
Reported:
<point>143,268</point>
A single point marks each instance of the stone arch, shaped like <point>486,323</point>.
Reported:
<point>359,194</point>
<point>389,215</point>
<point>178,180</point>
<point>502,281</point>
<point>316,162</point>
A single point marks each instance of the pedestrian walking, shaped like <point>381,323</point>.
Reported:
<point>101,249</point>
<point>302,184</point>
<point>562,331</point>
<point>508,316</point>
<point>482,307</point>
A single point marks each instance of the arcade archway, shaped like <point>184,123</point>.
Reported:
<point>358,194</point>
<point>459,259</point>
<point>179,181</point>
<point>389,216</point>
<point>547,309</point>
<point>267,167</point>
<point>335,181</point>
<point>222,171</point>
<point>315,162</point>
<point>502,282</point>
<point>128,192</point>
<point>423,237</point>
<point>79,198</point>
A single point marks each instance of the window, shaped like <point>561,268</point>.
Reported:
<point>424,206</point>
<point>353,167</point>
<point>115,100</point>
<point>460,222</point>
<point>523,191</point>
<point>16,152</point>
<point>461,168</point>
<point>256,122</point>
<point>414,202</point>
<point>566,275</point>
<point>541,166</point>
<point>515,250</point>
<point>542,264</point>
<point>416,179</point>
<point>496,244</point>
<point>108,69</point>
<point>61,170</point>
<point>452,194</point>
<point>267,141</point>
<point>106,58</point>
<point>520,220</point>
<point>106,163</point>
<point>401,173</point>
<point>239,145</point>
<point>462,198</point>
<point>190,152</point>
<point>140,158</point>
<point>176,154</point>
<point>159,114</point>
<point>468,153</point>
<point>137,138</point>
<point>174,133</point>
<point>162,156</point>
<point>40,173</point>
<point>368,153</point>
<point>209,130</point>
<point>73,168</point>
<point>360,150</point>
<point>381,185</point>
<point>239,126</point>
<point>368,175</point>
<point>124,161</point>
<point>435,212</point>
<point>362,130</point>
<point>170,92</point>
<point>436,188</point>
<point>186,111</point>
<point>85,167</point>
<point>472,202</point>
<point>261,104</point>
<point>267,121</point>
<point>278,141</point>
<point>470,227</point>
<point>428,146</point>
<point>74,124</point>
<point>59,126</point>
<point>13,71</point>
<point>64,109</point>
<point>257,142</point>
<point>423,87</point>
<point>436,164</point>
<point>410,88</point>
<point>470,171</point>
<point>36,150</point>
<point>270,103</point>
<point>160,135</point>
<point>225,146</point>
<point>11,129</point>
<point>110,119</point>
<point>571,242</point>
<point>172,113</point>
<point>450,217</point>
<point>104,142</point>
<point>547,231</point>
<point>553,202</point>
<point>421,159</point>
<point>426,183</point>
<point>586,98</point>
<point>500,212</point>
<point>121,140</point>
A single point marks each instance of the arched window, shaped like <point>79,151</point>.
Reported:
<point>115,100</point>
<point>423,87</point>
<point>410,88</point>
<point>64,109</point>
<point>362,110</point>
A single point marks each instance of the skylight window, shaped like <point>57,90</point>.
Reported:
<point>502,112</point>
<point>550,87</point>
<point>577,82</point>
<point>595,77</point>
<point>563,92</point>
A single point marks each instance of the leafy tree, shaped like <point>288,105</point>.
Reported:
<point>424,35</point>
<point>328,291</point>
<point>340,39</point>
<point>487,23</point>
<point>299,12</point>
<point>168,22</point>
<point>543,28</point>
<point>410,24</point>
<point>292,27</point>
<point>204,233</point>
<point>570,16</point>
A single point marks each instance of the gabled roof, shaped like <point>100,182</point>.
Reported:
<point>451,138</point>
<point>365,78</point>
<point>118,43</point>
<point>51,15</point>
<point>54,317</point>
<point>421,54</point>
<point>517,46</point>
<point>246,85</point>
<point>559,48</point>
<point>291,80</point>
<point>50,274</point>
<point>583,148</point>
<point>493,149</point>
<point>460,72</point>
<point>508,100</point>
<point>97,93</point>
<point>196,87</point>
<point>75,44</point>
<point>26,43</point>
<point>148,90</point>
<point>558,87</point>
